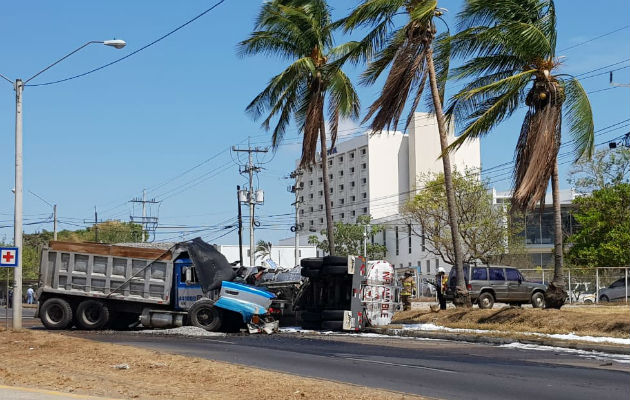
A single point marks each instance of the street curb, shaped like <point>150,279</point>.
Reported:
<point>463,337</point>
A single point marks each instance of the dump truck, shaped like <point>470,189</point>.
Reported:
<point>96,286</point>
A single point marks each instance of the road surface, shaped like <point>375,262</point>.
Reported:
<point>442,369</point>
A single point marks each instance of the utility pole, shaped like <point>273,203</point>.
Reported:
<point>148,223</point>
<point>55,222</point>
<point>95,225</point>
<point>297,175</point>
<point>253,196</point>
<point>17,223</point>
<point>240,225</point>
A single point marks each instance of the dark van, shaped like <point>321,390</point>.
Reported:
<point>492,283</point>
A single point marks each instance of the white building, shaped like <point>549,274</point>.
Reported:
<point>376,174</point>
<point>282,255</point>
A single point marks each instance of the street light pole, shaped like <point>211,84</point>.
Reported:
<point>17,225</point>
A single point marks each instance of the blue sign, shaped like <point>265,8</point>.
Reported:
<point>8,257</point>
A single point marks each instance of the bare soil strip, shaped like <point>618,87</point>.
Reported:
<point>613,321</point>
<point>69,364</point>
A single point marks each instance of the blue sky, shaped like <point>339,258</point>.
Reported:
<point>100,139</point>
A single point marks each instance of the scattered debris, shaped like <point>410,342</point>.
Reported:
<point>121,366</point>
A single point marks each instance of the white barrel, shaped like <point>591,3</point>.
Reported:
<point>378,294</point>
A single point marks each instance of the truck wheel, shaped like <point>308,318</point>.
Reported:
<point>56,313</point>
<point>604,298</point>
<point>91,315</point>
<point>203,314</point>
<point>332,315</point>
<point>335,260</point>
<point>311,263</point>
<point>538,300</point>
<point>335,269</point>
<point>332,325</point>
<point>485,300</point>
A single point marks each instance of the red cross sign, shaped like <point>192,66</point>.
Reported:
<point>8,256</point>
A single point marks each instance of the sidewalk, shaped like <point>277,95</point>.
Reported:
<point>22,393</point>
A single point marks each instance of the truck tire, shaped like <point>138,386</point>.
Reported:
<point>56,313</point>
<point>485,300</point>
<point>311,316</point>
<point>332,325</point>
<point>538,300</point>
<point>335,269</point>
<point>203,314</point>
<point>311,263</point>
<point>332,315</point>
<point>92,315</point>
<point>335,260</point>
<point>310,273</point>
<point>604,299</point>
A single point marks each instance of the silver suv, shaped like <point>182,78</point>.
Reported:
<point>490,284</point>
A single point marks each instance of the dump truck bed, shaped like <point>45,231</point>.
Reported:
<point>107,271</point>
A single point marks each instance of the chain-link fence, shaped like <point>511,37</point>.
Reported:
<point>587,285</point>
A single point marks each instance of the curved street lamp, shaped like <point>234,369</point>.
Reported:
<point>19,87</point>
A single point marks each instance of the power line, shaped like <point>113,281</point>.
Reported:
<point>133,52</point>
<point>595,38</point>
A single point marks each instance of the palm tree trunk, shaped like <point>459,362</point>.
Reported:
<point>555,295</point>
<point>462,297</point>
<point>330,228</point>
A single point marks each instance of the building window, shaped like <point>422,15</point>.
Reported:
<point>364,210</point>
<point>331,203</point>
<point>364,195</point>
<point>340,187</point>
<point>409,238</point>
<point>310,196</point>
<point>396,238</point>
<point>311,209</point>
<point>428,266</point>
<point>310,182</point>
<point>353,198</point>
<point>301,212</point>
<point>410,263</point>
<point>330,176</point>
<point>364,180</point>
<point>302,184</point>
<point>353,213</point>
<point>364,166</point>
<point>340,159</point>
<point>321,192</point>
<point>340,173</point>
<point>332,217</point>
<point>321,220</point>
<point>352,155</point>
<point>342,201</point>
<point>352,170</point>
<point>331,190</point>
<point>352,184</point>
<point>437,263</point>
<point>330,162</point>
<point>363,151</point>
<point>419,264</point>
<point>321,206</point>
<point>310,222</point>
<point>321,179</point>
<point>301,199</point>
<point>342,215</point>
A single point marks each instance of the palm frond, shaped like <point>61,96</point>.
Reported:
<point>343,100</point>
<point>579,115</point>
<point>372,11</point>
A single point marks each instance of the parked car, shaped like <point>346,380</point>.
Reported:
<point>582,292</point>
<point>490,284</point>
<point>616,291</point>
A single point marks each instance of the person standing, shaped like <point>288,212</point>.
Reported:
<point>441,284</point>
<point>409,289</point>
<point>30,295</point>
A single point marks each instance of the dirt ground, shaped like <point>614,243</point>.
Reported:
<point>57,362</point>
<point>587,320</point>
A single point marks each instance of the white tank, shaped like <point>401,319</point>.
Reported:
<point>379,293</point>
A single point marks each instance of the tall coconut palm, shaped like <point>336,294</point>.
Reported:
<point>510,48</point>
<point>263,250</point>
<point>409,49</point>
<point>302,31</point>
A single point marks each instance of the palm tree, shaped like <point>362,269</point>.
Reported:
<point>263,250</point>
<point>409,50</point>
<point>301,30</point>
<point>514,48</point>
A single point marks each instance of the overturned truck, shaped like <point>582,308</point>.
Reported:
<point>97,286</point>
<point>346,293</point>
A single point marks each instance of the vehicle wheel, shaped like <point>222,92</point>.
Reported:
<point>335,260</point>
<point>588,301</point>
<point>310,273</point>
<point>332,315</point>
<point>91,315</point>
<point>203,314</point>
<point>538,300</point>
<point>311,263</point>
<point>315,325</point>
<point>485,300</point>
<point>335,269</point>
<point>56,313</point>
<point>332,325</point>
<point>123,321</point>
<point>604,298</point>
<point>311,316</point>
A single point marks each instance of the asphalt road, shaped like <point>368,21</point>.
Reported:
<point>442,369</point>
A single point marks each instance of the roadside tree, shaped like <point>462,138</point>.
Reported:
<point>510,59</point>
<point>349,239</point>
<point>302,30</point>
<point>608,167</point>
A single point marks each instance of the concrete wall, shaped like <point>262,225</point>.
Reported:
<point>283,256</point>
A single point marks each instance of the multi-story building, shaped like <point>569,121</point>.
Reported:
<point>375,174</point>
